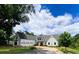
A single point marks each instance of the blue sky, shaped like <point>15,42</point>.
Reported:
<point>52,19</point>
<point>61,9</point>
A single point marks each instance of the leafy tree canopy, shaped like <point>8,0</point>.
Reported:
<point>65,39</point>
<point>12,14</point>
<point>76,40</point>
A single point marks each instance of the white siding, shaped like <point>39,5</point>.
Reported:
<point>11,42</point>
<point>52,42</point>
<point>24,42</point>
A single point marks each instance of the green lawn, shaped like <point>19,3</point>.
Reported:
<point>69,50</point>
<point>15,50</point>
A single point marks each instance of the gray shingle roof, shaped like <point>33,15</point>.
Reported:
<point>46,37</point>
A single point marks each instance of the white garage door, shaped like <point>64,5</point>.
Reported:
<point>25,42</point>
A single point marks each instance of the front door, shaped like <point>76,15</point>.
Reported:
<point>41,43</point>
<point>15,43</point>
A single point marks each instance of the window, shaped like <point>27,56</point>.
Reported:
<point>54,43</point>
<point>39,38</point>
<point>48,43</point>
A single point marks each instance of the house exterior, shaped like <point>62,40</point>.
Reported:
<point>28,41</point>
<point>24,42</point>
<point>52,41</point>
<point>22,39</point>
<point>31,40</point>
<point>46,40</point>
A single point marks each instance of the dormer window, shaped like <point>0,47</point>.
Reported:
<point>39,38</point>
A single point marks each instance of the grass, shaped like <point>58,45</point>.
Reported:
<point>69,50</point>
<point>15,50</point>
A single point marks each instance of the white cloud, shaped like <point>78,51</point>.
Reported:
<point>73,29</point>
<point>63,20</point>
<point>19,28</point>
<point>43,22</point>
<point>37,7</point>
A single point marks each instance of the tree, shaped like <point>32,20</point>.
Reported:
<point>3,37</point>
<point>10,15</point>
<point>21,35</point>
<point>65,40</point>
<point>75,41</point>
<point>14,38</point>
<point>29,33</point>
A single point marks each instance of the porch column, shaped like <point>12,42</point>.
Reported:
<point>39,44</point>
<point>43,43</point>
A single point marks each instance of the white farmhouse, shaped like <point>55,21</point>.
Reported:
<point>21,39</point>
<point>52,41</point>
<point>25,42</point>
<point>47,40</point>
<point>31,40</point>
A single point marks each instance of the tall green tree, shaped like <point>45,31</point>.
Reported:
<point>13,14</point>
<point>65,39</point>
<point>2,37</point>
<point>29,33</point>
<point>75,41</point>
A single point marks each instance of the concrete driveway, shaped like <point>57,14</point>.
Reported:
<point>47,50</point>
<point>44,50</point>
